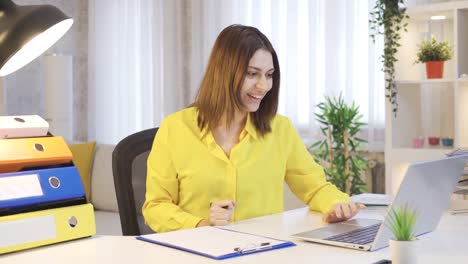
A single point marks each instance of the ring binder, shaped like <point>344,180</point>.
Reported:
<point>40,228</point>
<point>26,191</point>
<point>23,126</point>
<point>21,153</point>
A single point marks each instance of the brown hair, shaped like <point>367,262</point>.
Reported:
<point>219,92</point>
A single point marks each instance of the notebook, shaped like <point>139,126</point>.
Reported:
<point>426,187</point>
<point>215,242</point>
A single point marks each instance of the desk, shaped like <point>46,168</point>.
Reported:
<point>448,244</point>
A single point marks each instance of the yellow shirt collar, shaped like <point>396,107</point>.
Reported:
<point>248,129</point>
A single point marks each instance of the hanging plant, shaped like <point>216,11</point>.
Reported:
<point>389,15</point>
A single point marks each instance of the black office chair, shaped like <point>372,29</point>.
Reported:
<point>129,168</point>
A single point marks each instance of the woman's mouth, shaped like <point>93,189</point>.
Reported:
<point>256,97</point>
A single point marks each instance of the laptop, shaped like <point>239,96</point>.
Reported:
<point>426,187</point>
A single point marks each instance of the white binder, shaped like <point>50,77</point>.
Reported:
<point>23,126</point>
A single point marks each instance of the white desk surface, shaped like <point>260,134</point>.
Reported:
<point>447,244</point>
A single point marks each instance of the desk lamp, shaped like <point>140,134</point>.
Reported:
<point>28,31</point>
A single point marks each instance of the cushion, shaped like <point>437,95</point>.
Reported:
<point>83,157</point>
<point>103,190</point>
<point>107,223</point>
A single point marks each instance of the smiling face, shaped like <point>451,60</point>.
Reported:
<point>258,80</point>
<point>242,76</point>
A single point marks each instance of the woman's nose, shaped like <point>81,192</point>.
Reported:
<point>261,83</point>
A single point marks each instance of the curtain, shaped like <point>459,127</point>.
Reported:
<point>323,46</point>
<point>137,67</point>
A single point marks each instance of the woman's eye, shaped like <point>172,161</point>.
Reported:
<point>251,74</point>
<point>270,75</point>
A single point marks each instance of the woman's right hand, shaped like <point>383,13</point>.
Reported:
<point>220,213</point>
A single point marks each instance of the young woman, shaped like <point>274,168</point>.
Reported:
<point>226,157</point>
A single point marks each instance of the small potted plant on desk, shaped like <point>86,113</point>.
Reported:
<point>404,245</point>
<point>434,54</point>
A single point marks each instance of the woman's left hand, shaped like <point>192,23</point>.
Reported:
<point>342,212</point>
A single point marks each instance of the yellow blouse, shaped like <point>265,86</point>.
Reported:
<point>186,172</point>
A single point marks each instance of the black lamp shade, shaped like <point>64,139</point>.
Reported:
<point>28,31</point>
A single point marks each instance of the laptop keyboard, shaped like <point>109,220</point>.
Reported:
<point>361,236</point>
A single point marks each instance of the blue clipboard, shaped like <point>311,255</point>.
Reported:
<point>30,189</point>
<point>186,240</point>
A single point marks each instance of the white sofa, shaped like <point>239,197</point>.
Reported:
<point>104,199</point>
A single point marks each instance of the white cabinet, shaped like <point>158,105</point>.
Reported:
<point>428,107</point>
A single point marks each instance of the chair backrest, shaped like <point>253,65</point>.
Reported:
<point>129,168</point>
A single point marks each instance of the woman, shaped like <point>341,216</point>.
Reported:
<point>226,157</point>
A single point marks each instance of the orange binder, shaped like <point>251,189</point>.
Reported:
<point>19,153</point>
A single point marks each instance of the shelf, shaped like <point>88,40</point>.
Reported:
<point>416,154</point>
<point>427,81</point>
<point>405,68</point>
<point>422,10</point>
<point>428,111</point>
<point>428,106</point>
<point>417,17</point>
<point>425,150</point>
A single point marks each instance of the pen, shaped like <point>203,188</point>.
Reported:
<point>254,248</point>
<point>224,207</point>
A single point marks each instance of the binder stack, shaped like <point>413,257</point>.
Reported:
<point>42,198</point>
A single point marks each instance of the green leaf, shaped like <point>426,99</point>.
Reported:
<point>402,221</point>
<point>315,144</point>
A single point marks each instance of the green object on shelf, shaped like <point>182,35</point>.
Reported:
<point>431,50</point>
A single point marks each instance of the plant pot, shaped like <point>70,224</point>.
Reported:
<point>404,252</point>
<point>418,142</point>
<point>434,69</point>
<point>447,142</point>
<point>433,141</point>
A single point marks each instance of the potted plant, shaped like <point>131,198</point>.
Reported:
<point>404,244</point>
<point>338,151</point>
<point>434,54</point>
<point>388,19</point>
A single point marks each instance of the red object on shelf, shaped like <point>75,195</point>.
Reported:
<point>434,69</point>
<point>433,141</point>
